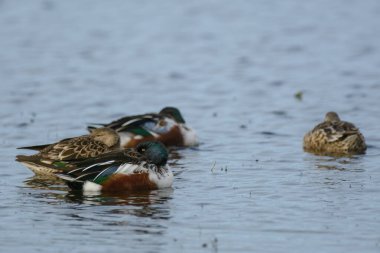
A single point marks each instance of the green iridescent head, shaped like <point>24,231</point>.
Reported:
<point>154,151</point>
<point>173,113</point>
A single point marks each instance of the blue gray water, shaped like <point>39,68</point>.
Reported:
<point>233,68</point>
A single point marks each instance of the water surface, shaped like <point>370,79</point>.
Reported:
<point>233,69</point>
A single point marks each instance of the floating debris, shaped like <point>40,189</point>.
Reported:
<point>267,133</point>
<point>213,167</point>
<point>299,95</point>
<point>176,75</point>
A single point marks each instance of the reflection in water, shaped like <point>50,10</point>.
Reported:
<point>140,212</point>
<point>47,189</point>
<point>45,183</point>
<point>174,155</point>
<point>336,172</point>
<point>341,163</point>
<point>141,204</point>
<point>135,198</point>
<point>174,158</point>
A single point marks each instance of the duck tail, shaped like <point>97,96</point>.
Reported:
<point>72,182</point>
<point>36,148</point>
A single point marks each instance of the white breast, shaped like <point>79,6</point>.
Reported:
<point>189,135</point>
<point>163,180</point>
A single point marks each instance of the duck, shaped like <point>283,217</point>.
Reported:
<point>99,141</point>
<point>334,137</point>
<point>168,126</point>
<point>142,168</point>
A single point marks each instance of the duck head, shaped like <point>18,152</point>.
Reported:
<point>332,117</point>
<point>154,151</point>
<point>106,135</point>
<point>173,113</point>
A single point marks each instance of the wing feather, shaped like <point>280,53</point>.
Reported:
<point>336,131</point>
<point>76,148</point>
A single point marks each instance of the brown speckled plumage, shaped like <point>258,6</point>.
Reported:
<point>100,141</point>
<point>334,137</point>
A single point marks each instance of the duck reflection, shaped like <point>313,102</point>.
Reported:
<point>141,204</point>
<point>41,182</point>
<point>174,156</point>
<point>340,163</point>
<point>337,172</point>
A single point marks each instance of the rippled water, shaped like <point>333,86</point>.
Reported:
<point>233,68</point>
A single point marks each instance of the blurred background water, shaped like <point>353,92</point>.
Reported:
<point>233,69</point>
